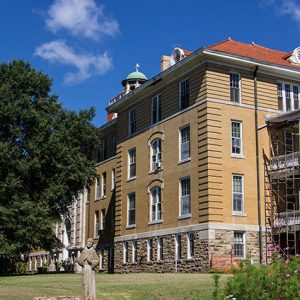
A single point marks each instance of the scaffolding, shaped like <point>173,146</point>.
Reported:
<point>282,185</point>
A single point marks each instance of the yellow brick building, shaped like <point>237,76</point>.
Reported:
<point>181,170</point>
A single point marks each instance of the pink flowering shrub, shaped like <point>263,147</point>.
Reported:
<point>278,280</point>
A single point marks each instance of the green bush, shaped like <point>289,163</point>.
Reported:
<point>21,267</point>
<point>279,280</point>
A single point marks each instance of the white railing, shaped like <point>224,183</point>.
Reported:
<point>287,218</point>
<point>285,161</point>
<point>116,98</point>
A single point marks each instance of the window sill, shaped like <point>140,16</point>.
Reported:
<point>238,156</point>
<point>103,197</point>
<point>96,199</point>
<point>190,259</point>
<point>155,222</point>
<point>187,216</point>
<point>184,161</point>
<point>130,226</point>
<point>155,171</point>
<point>131,179</point>
<point>239,214</point>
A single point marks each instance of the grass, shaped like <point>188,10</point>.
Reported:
<point>145,286</point>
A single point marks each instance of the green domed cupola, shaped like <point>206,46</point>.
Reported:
<point>134,80</point>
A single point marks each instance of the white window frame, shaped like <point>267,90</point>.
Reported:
<point>181,200</point>
<point>134,251</point>
<point>180,93</point>
<point>157,205</point>
<point>131,164</point>
<point>239,88</point>
<point>103,185</point>
<point>241,139</point>
<point>156,103</point>
<point>149,250</point>
<point>101,259</point>
<point>243,244</point>
<point>102,224</point>
<point>128,208</point>
<point>113,179</point>
<point>236,212</point>
<point>292,85</point>
<point>181,144</point>
<point>97,187</point>
<point>156,154</point>
<point>130,121</point>
<point>96,224</point>
<point>178,245</point>
<point>125,252</point>
<point>160,248</point>
<point>190,253</point>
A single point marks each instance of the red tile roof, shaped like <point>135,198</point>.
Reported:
<point>109,117</point>
<point>254,51</point>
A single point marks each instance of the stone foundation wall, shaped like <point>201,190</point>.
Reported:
<point>199,263</point>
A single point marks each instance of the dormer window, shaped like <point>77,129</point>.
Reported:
<point>176,56</point>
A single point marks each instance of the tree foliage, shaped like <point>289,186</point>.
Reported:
<point>45,158</point>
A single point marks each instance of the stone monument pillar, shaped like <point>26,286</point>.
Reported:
<point>88,260</point>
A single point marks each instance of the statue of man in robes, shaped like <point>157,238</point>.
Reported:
<point>89,260</point>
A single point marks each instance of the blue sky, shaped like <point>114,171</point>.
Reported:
<point>89,46</point>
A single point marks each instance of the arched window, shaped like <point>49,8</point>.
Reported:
<point>155,207</point>
<point>156,155</point>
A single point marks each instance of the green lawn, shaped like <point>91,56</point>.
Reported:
<point>145,286</point>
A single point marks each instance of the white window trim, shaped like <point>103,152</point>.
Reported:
<point>103,213</point>
<point>133,248</point>
<point>177,246</point>
<point>189,245</point>
<point>244,244</point>
<point>180,106</point>
<point>125,252</point>
<point>157,160</point>
<point>96,232</point>
<point>130,225</point>
<point>180,143</point>
<point>158,96</point>
<point>130,121</point>
<point>241,155</point>
<point>101,260</point>
<point>103,195</point>
<point>97,188</point>
<point>283,83</point>
<point>189,215</point>
<point>113,179</point>
<point>159,239</point>
<point>128,164</point>
<point>238,213</point>
<point>148,250</point>
<point>240,87</point>
<point>156,205</point>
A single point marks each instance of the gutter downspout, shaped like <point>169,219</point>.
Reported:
<point>257,168</point>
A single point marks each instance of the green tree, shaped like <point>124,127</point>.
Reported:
<point>45,158</point>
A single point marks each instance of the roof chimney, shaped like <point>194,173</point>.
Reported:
<point>164,62</point>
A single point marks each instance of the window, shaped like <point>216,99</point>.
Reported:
<point>134,251</point>
<point>185,143</point>
<point>156,154</point>
<point>96,224</point>
<point>160,248</point>
<point>113,179</point>
<point>156,203</point>
<point>238,193</point>
<point>125,252</point>
<point>288,96</point>
<point>97,188</point>
<point>178,247</point>
<point>131,209</point>
<point>114,145</point>
<point>288,141</point>
<point>185,198</point>
<point>131,163</point>
<point>101,258</point>
<point>132,121</point>
<point>190,245</point>
<point>103,219</point>
<point>103,190</point>
<point>156,109</point>
<point>236,138</point>
<point>235,87</point>
<point>184,101</point>
<point>150,250</point>
<point>239,244</point>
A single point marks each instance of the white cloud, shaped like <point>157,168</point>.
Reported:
<point>291,8</point>
<point>80,18</point>
<point>87,65</point>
